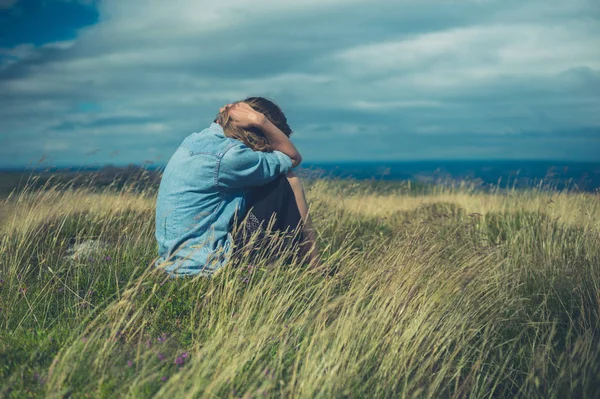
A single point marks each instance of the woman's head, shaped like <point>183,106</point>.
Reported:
<point>254,137</point>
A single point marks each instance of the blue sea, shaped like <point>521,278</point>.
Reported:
<point>582,176</point>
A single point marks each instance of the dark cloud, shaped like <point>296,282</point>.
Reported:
<point>104,122</point>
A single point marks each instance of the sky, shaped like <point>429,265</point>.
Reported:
<point>125,81</point>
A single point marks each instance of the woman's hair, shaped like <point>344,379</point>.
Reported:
<point>254,137</point>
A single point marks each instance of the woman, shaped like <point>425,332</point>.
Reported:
<point>238,164</point>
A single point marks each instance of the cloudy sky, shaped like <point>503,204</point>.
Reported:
<point>125,81</point>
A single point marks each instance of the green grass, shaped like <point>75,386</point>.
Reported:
<point>444,292</point>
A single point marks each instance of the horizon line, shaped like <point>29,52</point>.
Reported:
<point>309,163</point>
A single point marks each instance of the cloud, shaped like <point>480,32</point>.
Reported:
<point>481,52</point>
<point>384,74</point>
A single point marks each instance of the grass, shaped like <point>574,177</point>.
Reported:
<point>448,293</point>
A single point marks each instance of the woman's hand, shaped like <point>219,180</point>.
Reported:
<point>243,115</point>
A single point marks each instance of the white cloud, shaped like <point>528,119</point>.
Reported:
<point>457,56</point>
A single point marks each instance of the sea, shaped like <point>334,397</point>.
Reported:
<point>561,175</point>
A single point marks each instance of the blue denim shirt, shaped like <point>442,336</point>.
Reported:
<point>201,190</point>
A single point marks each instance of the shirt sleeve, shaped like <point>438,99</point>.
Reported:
<point>243,167</point>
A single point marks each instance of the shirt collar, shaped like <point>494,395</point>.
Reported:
<point>216,128</point>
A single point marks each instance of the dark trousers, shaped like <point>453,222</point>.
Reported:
<point>272,225</point>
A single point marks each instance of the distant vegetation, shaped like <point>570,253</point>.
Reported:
<point>428,291</point>
<point>105,177</point>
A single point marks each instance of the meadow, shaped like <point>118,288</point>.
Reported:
<point>438,292</point>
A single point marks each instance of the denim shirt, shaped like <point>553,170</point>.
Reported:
<point>201,190</point>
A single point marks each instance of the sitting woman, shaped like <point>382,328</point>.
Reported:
<point>239,168</point>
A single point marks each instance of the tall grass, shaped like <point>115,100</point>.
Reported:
<point>454,293</point>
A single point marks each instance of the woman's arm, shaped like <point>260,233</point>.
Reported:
<point>242,167</point>
<point>309,245</point>
<point>279,141</point>
<point>245,116</point>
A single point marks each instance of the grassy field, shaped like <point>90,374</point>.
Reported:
<point>449,294</point>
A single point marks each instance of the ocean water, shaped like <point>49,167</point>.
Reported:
<point>582,176</point>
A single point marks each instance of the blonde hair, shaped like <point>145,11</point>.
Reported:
<point>254,138</point>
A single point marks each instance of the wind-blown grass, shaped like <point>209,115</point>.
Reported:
<point>455,293</point>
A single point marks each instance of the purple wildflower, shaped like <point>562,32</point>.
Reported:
<point>245,280</point>
<point>39,379</point>
<point>1,281</point>
<point>160,356</point>
<point>129,363</point>
<point>180,361</point>
<point>107,257</point>
<point>90,292</point>
<point>185,355</point>
<point>162,338</point>
<point>163,379</point>
<point>22,290</point>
